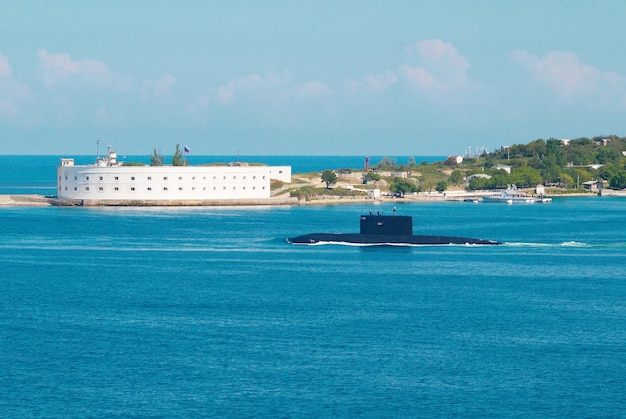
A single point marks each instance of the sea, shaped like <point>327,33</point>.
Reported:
<point>209,312</point>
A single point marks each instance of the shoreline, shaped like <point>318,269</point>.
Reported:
<point>34,200</point>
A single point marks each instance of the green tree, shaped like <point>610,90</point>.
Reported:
<point>177,158</point>
<point>387,162</point>
<point>525,176</point>
<point>550,170</point>
<point>329,177</point>
<point>566,179</point>
<point>499,180</point>
<point>156,159</point>
<point>618,181</point>
<point>607,154</point>
<point>478,183</point>
<point>373,176</point>
<point>607,171</point>
<point>456,177</point>
<point>441,186</point>
<point>404,186</point>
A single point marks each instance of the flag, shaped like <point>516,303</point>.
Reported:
<point>187,150</point>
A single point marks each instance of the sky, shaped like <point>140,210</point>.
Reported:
<point>308,77</point>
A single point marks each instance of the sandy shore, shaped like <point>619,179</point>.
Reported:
<point>24,200</point>
<point>18,200</point>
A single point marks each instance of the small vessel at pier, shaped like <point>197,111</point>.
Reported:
<point>510,196</point>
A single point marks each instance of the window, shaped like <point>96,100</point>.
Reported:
<point>117,178</point>
<point>132,188</point>
<point>132,178</point>
<point>116,189</point>
<point>165,189</point>
<point>180,189</point>
<point>87,188</point>
<point>149,177</point>
<point>180,178</point>
<point>86,177</point>
<point>149,188</point>
<point>164,177</point>
<point>99,177</point>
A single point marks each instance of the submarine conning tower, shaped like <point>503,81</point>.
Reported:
<point>387,224</point>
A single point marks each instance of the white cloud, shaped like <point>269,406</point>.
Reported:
<point>439,68</point>
<point>59,69</point>
<point>13,94</point>
<point>372,84</point>
<point>198,105</point>
<point>160,87</point>
<point>565,74</point>
<point>311,90</point>
<point>247,85</point>
<point>271,88</point>
<point>5,67</point>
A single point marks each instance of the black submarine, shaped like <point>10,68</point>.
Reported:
<point>386,230</point>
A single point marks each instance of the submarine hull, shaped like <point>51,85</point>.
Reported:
<point>386,239</point>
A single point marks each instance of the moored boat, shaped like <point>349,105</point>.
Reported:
<point>510,196</point>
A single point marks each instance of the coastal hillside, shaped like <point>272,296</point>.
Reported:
<point>564,166</point>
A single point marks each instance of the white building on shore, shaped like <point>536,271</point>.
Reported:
<point>108,182</point>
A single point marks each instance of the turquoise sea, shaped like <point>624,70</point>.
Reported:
<point>208,312</point>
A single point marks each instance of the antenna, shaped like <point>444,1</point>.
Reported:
<point>98,149</point>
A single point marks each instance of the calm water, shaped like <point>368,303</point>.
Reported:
<point>165,312</point>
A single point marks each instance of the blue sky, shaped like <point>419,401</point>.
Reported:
<point>308,77</point>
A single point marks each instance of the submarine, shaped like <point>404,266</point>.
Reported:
<point>386,230</point>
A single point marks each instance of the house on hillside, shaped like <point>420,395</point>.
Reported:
<point>594,185</point>
<point>452,160</point>
<point>477,175</point>
<point>504,167</point>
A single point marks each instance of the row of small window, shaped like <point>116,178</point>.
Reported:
<point>164,177</point>
<point>116,189</point>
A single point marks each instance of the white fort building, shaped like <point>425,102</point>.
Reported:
<point>108,182</point>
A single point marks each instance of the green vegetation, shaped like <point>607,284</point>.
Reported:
<point>329,177</point>
<point>564,164</point>
<point>308,193</point>
<point>177,158</point>
<point>156,159</point>
<point>553,162</point>
<point>404,186</point>
<point>373,177</point>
